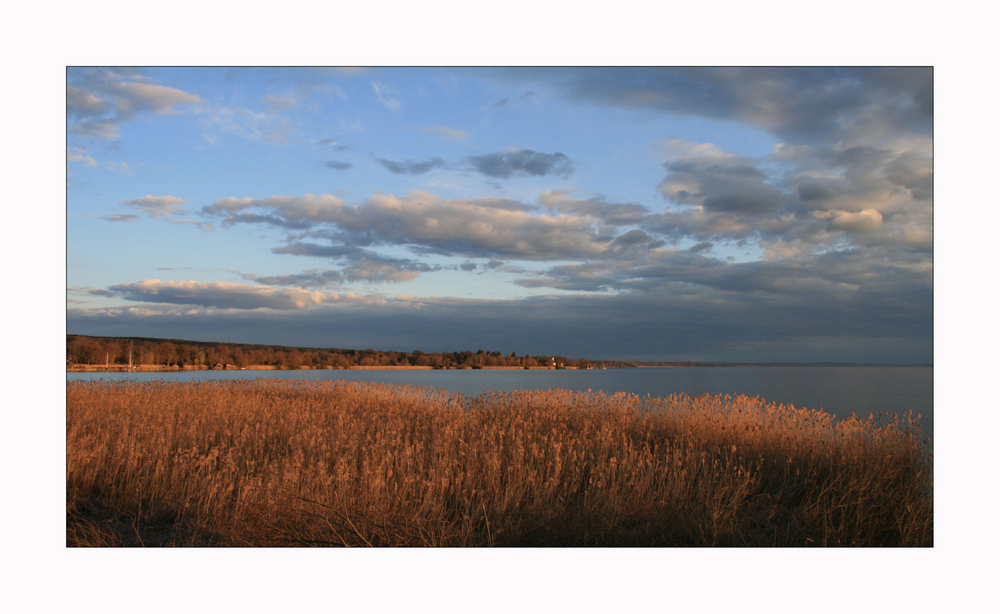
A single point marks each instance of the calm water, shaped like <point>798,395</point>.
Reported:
<point>837,390</point>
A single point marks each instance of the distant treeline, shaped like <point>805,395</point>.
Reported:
<point>99,351</point>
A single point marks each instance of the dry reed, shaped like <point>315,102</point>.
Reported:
<point>275,462</point>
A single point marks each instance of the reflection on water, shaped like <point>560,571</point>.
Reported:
<point>839,391</point>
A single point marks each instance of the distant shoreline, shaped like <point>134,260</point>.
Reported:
<point>147,354</point>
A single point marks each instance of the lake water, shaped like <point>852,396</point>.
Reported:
<point>839,391</point>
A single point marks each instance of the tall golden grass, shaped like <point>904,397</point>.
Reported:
<point>275,462</point>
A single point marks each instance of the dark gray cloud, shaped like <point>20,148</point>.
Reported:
<point>337,165</point>
<point>718,181</point>
<point>816,190</point>
<point>667,326</point>
<point>796,104</point>
<point>93,291</point>
<point>824,276</point>
<point>491,265</point>
<point>524,162</point>
<point>914,172</point>
<point>411,167</point>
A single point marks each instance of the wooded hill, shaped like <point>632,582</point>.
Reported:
<point>100,351</point>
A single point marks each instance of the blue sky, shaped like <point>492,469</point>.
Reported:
<point>753,214</point>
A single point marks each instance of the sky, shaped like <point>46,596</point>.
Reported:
<point>721,214</point>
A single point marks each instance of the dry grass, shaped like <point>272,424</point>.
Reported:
<point>275,462</point>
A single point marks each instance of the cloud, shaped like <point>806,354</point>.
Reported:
<point>527,96</point>
<point>103,130</point>
<point>337,165</point>
<point>248,124</point>
<point>382,92</point>
<point>717,181</point>
<point>118,217</point>
<point>79,154</point>
<point>609,213</point>
<point>121,167</point>
<point>913,171</point>
<point>334,145</point>
<point>282,102</point>
<point>867,220</point>
<point>374,268</point>
<point>92,291</point>
<point>471,227</point>
<point>298,248</point>
<point>444,131</point>
<point>286,211</point>
<point>298,96</point>
<point>799,200</point>
<point>710,325</point>
<point>157,206</point>
<point>223,295</point>
<point>360,265</point>
<point>97,100</point>
<point>482,227</point>
<point>522,162</point>
<point>411,167</point>
<point>795,104</point>
<point>849,277</point>
<point>314,278</point>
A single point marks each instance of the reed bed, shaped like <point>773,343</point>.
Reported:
<point>291,463</point>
